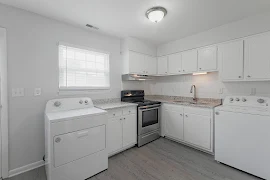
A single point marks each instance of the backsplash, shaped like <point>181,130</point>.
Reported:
<point>208,86</point>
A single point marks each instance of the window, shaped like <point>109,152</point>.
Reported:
<point>83,68</point>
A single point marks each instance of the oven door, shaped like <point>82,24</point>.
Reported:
<point>148,119</point>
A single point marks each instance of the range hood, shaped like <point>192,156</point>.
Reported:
<point>135,77</point>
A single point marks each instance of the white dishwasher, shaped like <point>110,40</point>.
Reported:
<point>75,139</point>
<point>242,134</point>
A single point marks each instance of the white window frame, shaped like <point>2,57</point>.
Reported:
<point>68,89</point>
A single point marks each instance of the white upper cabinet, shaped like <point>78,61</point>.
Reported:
<point>138,57</point>
<point>207,59</point>
<point>174,63</point>
<point>163,65</point>
<point>257,57</point>
<point>150,64</point>
<point>136,61</point>
<point>231,59</point>
<point>189,61</point>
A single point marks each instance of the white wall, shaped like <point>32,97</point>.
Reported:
<point>249,26</point>
<point>208,86</point>
<point>33,62</point>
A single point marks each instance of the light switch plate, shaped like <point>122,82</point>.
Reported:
<point>37,91</point>
<point>17,92</point>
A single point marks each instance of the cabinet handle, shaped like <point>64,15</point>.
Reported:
<point>200,68</point>
<point>120,119</point>
<point>217,113</point>
<point>186,115</point>
<point>239,76</point>
<point>124,118</point>
<point>181,114</point>
<point>166,72</point>
<point>179,71</point>
<point>248,76</point>
<point>183,70</point>
<point>114,114</point>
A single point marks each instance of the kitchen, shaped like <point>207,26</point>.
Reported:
<point>225,57</point>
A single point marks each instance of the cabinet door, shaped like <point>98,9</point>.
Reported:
<point>150,64</point>
<point>174,63</point>
<point>163,65</point>
<point>189,61</point>
<point>257,57</point>
<point>114,135</point>
<point>207,59</point>
<point>174,124</point>
<point>136,63</point>
<point>197,130</point>
<point>129,130</point>
<point>231,58</point>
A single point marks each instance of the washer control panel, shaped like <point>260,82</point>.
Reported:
<point>68,104</point>
<point>249,101</point>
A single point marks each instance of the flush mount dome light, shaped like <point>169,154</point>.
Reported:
<point>156,14</point>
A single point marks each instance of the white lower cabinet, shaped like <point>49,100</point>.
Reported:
<point>174,124</point>
<point>190,125</point>
<point>122,129</point>
<point>198,130</point>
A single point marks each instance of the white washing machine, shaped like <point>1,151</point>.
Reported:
<point>75,139</point>
<point>242,134</point>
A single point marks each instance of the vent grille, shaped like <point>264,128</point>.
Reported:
<point>91,26</point>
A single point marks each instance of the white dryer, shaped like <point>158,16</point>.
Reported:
<point>242,134</point>
<point>75,139</point>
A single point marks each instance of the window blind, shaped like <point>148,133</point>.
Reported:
<point>83,69</point>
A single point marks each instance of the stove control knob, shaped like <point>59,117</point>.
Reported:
<point>231,99</point>
<point>244,99</point>
<point>237,99</point>
<point>260,101</point>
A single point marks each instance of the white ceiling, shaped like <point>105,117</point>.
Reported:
<point>127,17</point>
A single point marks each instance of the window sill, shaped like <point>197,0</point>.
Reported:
<point>81,91</point>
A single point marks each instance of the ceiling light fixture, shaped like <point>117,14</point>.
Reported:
<point>156,14</point>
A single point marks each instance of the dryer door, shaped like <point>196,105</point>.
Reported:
<point>72,146</point>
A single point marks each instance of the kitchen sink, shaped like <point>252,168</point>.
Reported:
<point>185,102</point>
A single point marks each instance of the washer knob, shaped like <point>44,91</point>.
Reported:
<point>86,101</point>
<point>231,99</point>
<point>57,103</point>
<point>81,101</point>
<point>260,100</point>
<point>244,99</point>
<point>237,99</point>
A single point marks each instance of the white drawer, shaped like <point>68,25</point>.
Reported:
<point>114,113</point>
<point>173,107</point>
<point>129,110</point>
<point>196,110</point>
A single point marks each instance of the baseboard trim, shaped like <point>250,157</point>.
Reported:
<point>26,168</point>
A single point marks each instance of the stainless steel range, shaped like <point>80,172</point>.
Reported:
<point>148,115</point>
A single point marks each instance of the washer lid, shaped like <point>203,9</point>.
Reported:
<point>71,114</point>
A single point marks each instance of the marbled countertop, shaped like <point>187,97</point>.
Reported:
<point>186,101</point>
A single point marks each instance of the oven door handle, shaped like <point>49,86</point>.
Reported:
<point>148,108</point>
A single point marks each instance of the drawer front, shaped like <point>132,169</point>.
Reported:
<point>129,110</point>
<point>72,146</point>
<point>173,107</point>
<point>198,111</point>
<point>114,113</point>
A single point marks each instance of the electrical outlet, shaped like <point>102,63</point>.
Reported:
<point>220,91</point>
<point>253,91</point>
<point>37,91</point>
<point>17,92</point>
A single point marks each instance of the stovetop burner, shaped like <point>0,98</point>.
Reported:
<point>145,102</point>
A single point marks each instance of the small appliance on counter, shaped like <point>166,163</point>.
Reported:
<point>148,115</point>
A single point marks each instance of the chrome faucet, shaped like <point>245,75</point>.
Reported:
<point>194,92</point>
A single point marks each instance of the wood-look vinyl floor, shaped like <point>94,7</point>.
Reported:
<point>159,160</point>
